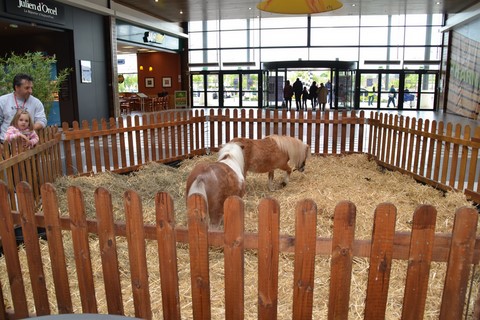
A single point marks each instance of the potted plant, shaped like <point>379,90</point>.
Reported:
<point>46,83</point>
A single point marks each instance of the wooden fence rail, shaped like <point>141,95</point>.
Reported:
<point>420,247</point>
<point>434,153</point>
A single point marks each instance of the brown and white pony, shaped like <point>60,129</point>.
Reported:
<point>274,152</point>
<point>216,181</point>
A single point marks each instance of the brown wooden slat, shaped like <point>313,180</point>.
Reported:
<point>114,145</point>
<point>137,254</point>
<point>438,152</point>
<point>473,163</point>
<point>96,147</point>
<point>411,145</point>
<point>351,128</point>
<point>211,128</point>
<point>87,148</point>
<point>268,257</point>
<point>389,132</point>
<point>251,126</point>
<point>317,130</point>
<point>227,126</point>
<point>455,154</point>
<point>304,262</point>
<point>341,261</point>
<point>361,131</point>
<point>459,263</point>
<point>431,150</point>
<point>382,145</point>
<point>68,152</point>
<point>300,124</point>
<point>233,258</point>
<point>260,124</point>
<point>56,250</point>
<point>78,149</point>
<point>380,261</point>
<point>243,128</point>
<point>463,162</point>
<point>446,155</point>
<point>236,123</point>
<point>335,133</point>
<point>326,129</point>
<point>416,286</point>
<point>179,129</point>
<point>32,247</point>
<point>185,133</point>
<point>405,150</point>
<point>12,260</point>
<point>417,147</point>
<point>400,138</point>
<point>123,149</point>
<point>167,255</point>
<point>130,145</point>
<point>145,135</point>
<point>309,127</point>
<point>199,262</point>
<point>83,262</point>
<point>105,147</point>
<point>166,136</point>
<point>425,141</point>
<point>138,143</point>
<point>108,249</point>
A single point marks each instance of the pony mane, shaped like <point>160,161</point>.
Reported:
<point>297,150</point>
<point>232,155</point>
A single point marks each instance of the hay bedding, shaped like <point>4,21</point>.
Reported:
<point>326,180</point>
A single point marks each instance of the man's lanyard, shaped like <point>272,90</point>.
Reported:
<point>16,102</point>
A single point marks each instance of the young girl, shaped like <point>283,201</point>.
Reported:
<point>305,97</point>
<point>22,126</point>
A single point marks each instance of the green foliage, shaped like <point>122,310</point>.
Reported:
<point>40,68</point>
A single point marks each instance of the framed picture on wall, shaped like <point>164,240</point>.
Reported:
<point>150,82</point>
<point>167,82</point>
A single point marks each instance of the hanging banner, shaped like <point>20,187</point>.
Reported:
<point>464,81</point>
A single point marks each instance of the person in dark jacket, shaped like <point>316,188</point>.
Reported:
<point>313,94</point>
<point>297,90</point>
<point>287,95</point>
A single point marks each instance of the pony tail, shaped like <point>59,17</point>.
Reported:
<point>198,186</point>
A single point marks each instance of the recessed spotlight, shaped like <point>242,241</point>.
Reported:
<point>354,5</point>
<point>250,8</point>
<point>437,3</point>
<point>181,12</point>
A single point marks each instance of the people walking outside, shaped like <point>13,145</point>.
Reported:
<point>322,94</point>
<point>305,97</point>
<point>313,94</point>
<point>297,90</point>
<point>287,95</point>
<point>371,96</point>
<point>392,94</point>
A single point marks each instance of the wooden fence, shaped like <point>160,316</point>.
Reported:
<point>434,153</point>
<point>420,247</point>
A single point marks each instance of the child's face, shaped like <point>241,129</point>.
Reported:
<point>23,122</point>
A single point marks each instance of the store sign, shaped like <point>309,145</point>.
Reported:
<point>37,9</point>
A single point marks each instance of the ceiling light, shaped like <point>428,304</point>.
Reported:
<point>181,12</point>
<point>294,7</point>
